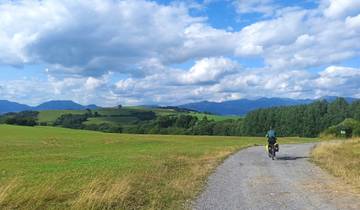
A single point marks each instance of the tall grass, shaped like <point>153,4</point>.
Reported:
<point>341,158</point>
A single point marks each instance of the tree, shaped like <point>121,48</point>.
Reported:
<point>96,114</point>
<point>25,118</point>
<point>337,111</point>
<point>355,110</point>
<point>71,120</point>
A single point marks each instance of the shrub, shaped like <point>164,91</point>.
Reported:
<point>25,118</point>
<point>71,120</point>
<point>349,125</point>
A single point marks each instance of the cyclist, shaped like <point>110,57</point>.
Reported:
<point>271,135</point>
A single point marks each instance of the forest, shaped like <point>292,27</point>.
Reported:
<point>303,120</point>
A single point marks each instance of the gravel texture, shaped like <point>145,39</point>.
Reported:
<point>249,179</point>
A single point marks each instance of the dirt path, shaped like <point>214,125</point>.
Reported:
<point>250,180</point>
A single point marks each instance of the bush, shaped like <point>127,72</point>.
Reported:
<point>109,128</point>
<point>350,126</point>
<point>21,121</point>
<point>25,118</point>
<point>356,132</point>
<point>43,123</point>
<point>71,121</point>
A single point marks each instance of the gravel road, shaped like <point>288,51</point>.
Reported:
<point>251,180</point>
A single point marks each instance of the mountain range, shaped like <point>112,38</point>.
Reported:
<point>235,107</point>
<point>9,106</point>
<point>243,106</point>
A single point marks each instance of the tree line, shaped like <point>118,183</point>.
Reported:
<point>302,120</point>
<point>24,118</point>
<point>187,125</point>
<point>149,123</point>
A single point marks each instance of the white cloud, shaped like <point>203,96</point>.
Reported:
<point>353,22</point>
<point>90,37</point>
<point>208,70</point>
<point>242,83</point>
<point>81,42</point>
<point>338,80</point>
<point>311,40</point>
<point>341,8</point>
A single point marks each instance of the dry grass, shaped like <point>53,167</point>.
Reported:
<point>341,158</point>
<point>103,193</point>
<point>6,189</point>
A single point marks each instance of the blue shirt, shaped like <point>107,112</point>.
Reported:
<point>271,134</point>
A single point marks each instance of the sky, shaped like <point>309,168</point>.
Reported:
<point>170,52</point>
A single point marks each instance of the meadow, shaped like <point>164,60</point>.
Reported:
<point>57,168</point>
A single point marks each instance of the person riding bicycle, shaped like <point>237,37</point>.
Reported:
<point>271,135</point>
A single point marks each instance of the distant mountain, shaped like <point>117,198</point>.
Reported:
<point>243,106</point>
<point>59,105</point>
<point>91,106</point>
<point>8,106</point>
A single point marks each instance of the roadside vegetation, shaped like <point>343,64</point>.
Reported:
<point>57,168</point>
<point>341,158</point>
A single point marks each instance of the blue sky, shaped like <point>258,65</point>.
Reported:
<point>172,52</point>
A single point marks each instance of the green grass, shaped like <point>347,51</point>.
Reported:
<point>50,116</point>
<point>56,168</point>
<point>214,117</point>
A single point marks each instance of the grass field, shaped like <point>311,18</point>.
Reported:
<point>56,168</point>
<point>341,158</point>
<point>50,116</point>
<point>214,117</point>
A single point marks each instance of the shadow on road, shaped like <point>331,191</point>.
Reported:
<point>291,158</point>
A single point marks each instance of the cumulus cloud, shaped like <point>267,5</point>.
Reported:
<point>90,37</point>
<point>208,70</point>
<point>304,38</point>
<point>83,44</point>
<point>241,83</point>
<point>343,8</point>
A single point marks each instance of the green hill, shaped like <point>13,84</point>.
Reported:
<point>49,116</point>
<point>123,116</point>
<point>143,120</point>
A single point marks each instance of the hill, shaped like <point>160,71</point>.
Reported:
<point>243,106</point>
<point>126,115</point>
<point>9,106</point>
<point>59,105</point>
